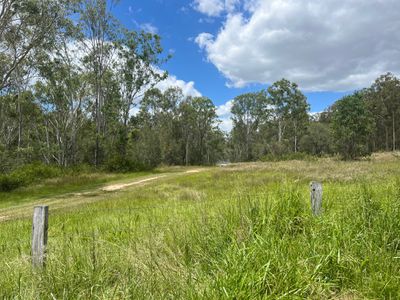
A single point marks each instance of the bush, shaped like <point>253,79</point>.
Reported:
<point>80,169</point>
<point>120,164</point>
<point>9,183</point>
<point>36,171</point>
<point>26,175</point>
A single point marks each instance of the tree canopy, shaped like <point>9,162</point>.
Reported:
<point>77,87</point>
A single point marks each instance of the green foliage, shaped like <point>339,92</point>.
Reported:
<point>268,122</point>
<point>27,28</point>
<point>290,110</point>
<point>317,140</point>
<point>173,129</point>
<point>79,111</point>
<point>352,125</point>
<point>124,165</point>
<point>249,112</point>
<point>9,183</point>
<point>382,100</point>
<point>26,175</point>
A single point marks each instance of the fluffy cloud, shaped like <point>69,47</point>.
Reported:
<point>214,8</point>
<point>224,114</point>
<point>322,45</point>
<point>188,88</point>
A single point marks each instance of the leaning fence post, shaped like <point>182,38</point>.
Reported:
<point>39,235</point>
<point>316,197</point>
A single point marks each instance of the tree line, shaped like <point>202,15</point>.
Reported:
<point>276,122</point>
<point>70,78</point>
<point>77,87</point>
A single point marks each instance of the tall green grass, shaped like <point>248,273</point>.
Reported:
<point>220,234</point>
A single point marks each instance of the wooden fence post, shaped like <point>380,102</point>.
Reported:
<point>316,197</point>
<point>39,235</point>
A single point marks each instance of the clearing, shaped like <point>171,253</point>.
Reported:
<point>244,231</point>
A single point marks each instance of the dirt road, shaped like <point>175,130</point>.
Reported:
<point>73,200</point>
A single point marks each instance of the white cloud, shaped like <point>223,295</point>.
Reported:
<point>188,88</point>
<point>321,45</point>
<point>209,7</point>
<point>224,114</point>
<point>148,27</point>
<point>204,40</point>
<point>214,8</point>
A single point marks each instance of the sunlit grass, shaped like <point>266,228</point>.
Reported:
<point>243,232</point>
<point>64,184</point>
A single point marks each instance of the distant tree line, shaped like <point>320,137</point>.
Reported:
<point>76,87</point>
<point>276,122</point>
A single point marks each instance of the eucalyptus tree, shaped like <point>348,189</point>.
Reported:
<point>62,94</point>
<point>26,27</point>
<point>298,116</point>
<point>290,109</point>
<point>383,99</point>
<point>99,29</point>
<point>317,140</point>
<point>186,122</point>
<point>157,134</point>
<point>28,30</point>
<point>249,111</point>
<point>204,125</point>
<point>137,68</point>
<point>352,124</point>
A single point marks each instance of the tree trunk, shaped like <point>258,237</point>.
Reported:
<point>19,121</point>
<point>295,137</point>
<point>187,151</point>
<point>247,141</point>
<point>387,138</point>
<point>394,131</point>
<point>279,131</point>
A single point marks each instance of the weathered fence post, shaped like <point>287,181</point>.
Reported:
<point>316,197</point>
<point>39,235</point>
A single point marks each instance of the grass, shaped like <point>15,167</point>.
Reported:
<point>241,232</point>
<point>69,183</point>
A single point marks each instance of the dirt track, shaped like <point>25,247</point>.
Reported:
<point>72,200</point>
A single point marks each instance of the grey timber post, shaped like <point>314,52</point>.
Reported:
<point>316,197</point>
<point>39,235</point>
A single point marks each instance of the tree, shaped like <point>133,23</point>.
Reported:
<point>317,140</point>
<point>62,94</point>
<point>248,112</point>
<point>138,59</point>
<point>352,125</point>
<point>290,109</point>
<point>156,126</point>
<point>383,99</point>
<point>26,27</point>
<point>99,29</point>
<point>204,127</point>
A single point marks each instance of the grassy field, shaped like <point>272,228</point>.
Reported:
<point>244,231</point>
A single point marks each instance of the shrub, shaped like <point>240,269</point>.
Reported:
<point>9,183</point>
<point>36,171</point>
<point>120,164</point>
<point>26,175</point>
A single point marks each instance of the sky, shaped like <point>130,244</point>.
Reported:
<point>224,48</point>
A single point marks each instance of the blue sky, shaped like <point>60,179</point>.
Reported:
<point>223,48</point>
